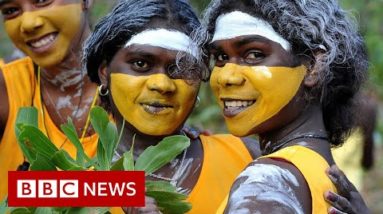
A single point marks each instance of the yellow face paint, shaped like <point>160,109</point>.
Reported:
<point>251,95</point>
<point>154,104</point>
<point>46,35</point>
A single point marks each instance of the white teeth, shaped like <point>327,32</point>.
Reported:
<point>238,103</point>
<point>44,41</point>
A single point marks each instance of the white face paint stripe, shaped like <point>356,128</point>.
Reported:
<point>163,38</point>
<point>234,24</point>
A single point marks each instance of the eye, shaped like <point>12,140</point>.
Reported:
<point>41,3</point>
<point>10,12</point>
<point>220,59</point>
<point>140,65</point>
<point>254,56</point>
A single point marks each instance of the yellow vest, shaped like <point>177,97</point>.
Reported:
<point>313,167</point>
<point>225,156</point>
<point>22,89</point>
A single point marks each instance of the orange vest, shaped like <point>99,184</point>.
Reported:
<point>22,89</point>
<point>225,156</point>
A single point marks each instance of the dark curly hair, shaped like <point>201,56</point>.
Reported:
<point>130,17</point>
<point>311,27</point>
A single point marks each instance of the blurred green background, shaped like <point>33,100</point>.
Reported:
<point>369,15</point>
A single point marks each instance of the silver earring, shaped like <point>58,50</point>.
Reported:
<point>103,90</point>
<point>197,102</point>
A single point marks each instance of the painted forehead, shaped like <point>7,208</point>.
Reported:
<point>164,38</point>
<point>237,23</point>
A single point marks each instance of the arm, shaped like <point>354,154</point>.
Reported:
<point>4,104</point>
<point>349,200</point>
<point>269,186</point>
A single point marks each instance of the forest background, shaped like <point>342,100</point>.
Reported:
<point>369,15</point>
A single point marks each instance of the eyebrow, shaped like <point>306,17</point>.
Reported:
<point>2,2</point>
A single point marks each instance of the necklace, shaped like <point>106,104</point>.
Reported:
<point>268,149</point>
<point>176,175</point>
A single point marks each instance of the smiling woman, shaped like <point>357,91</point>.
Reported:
<point>150,70</point>
<point>286,71</point>
<point>50,33</point>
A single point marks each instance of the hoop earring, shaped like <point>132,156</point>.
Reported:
<point>103,90</point>
<point>197,102</point>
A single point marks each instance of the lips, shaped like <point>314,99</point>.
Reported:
<point>232,107</point>
<point>43,43</point>
<point>156,107</point>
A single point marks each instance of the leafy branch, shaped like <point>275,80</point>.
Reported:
<point>43,155</point>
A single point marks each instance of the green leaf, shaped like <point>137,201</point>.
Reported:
<point>26,116</point>
<point>63,161</point>
<point>128,161</point>
<point>44,210</point>
<point>118,165</point>
<point>154,157</point>
<point>166,196</point>
<point>159,186</point>
<point>38,140</point>
<point>42,163</point>
<point>21,210</point>
<point>4,205</point>
<point>129,157</point>
<point>70,131</point>
<point>102,162</point>
<point>174,207</point>
<point>106,130</point>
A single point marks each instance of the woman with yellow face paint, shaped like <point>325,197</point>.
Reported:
<point>286,71</point>
<point>149,71</point>
<point>51,34</point>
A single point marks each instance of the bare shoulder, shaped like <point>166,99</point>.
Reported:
<point>269,186</point>
<point>4,103</point>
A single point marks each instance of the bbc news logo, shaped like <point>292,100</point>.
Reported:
<point>76,188</point>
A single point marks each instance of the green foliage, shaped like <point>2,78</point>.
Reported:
<point>44,155</point>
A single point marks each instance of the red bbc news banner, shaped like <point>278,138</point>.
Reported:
<point>76,188</point>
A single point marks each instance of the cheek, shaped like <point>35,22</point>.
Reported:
<point>59,18</point>
<point>186,94</point>
<point>12,27</point>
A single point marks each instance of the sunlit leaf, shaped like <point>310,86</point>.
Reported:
<point>42,163</point>
<point>38,140</point>
<point>63,161</point>
<point>107,132</point>
<point>154,157</point>
<point>26,116</point>
<point>159,186</point>
<point>70,131</point>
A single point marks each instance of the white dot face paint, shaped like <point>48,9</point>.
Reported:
<point>163,38</point>
<point>235,24</point>
<point>265,183</point>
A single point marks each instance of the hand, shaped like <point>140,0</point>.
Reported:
<point>348,200</point>
<point>150,207</point>
<point>193,133</point>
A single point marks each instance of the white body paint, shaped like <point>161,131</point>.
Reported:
<point>68,79</point>
<point>265,183</point>
<point>171,40</point>
<point>234,24</point>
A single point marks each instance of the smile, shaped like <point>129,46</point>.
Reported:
<point>156,108</point>
<point>43,43</point>
<point>234,107</point>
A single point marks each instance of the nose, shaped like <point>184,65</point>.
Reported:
<point>229,77</point>
<point>161,83</point>
<point>30,21</point>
